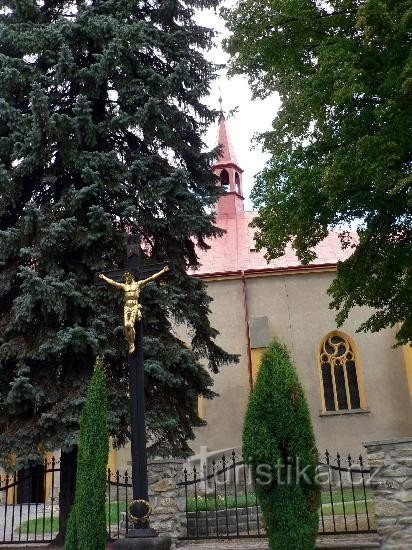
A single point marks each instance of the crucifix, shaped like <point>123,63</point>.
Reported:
<point>132,308</point>
<point>131,281</point>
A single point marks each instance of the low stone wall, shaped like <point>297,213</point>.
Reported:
<point>391,480</point>
<point>224,523</point>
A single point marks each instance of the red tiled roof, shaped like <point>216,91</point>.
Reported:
<point>235,250</point>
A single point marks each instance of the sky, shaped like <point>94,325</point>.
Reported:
<point>251,117</point>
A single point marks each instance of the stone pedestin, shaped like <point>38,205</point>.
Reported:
<point>391,480</point>
<point>162,542</point>
<point>166,498</point>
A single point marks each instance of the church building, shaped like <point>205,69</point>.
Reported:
<point>358,386</point>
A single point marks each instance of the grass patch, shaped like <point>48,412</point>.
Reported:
<point>115,511</point>
<point>210,503</point>
<point>347,495</point>
<point>36,526</point>
<point>349,508</point>
<point>113,515</point>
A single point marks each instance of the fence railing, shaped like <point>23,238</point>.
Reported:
<point>29,504</point>
<point>118,494</point>
<point>221,499</point>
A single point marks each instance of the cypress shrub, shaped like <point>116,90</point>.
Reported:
<point>278,434</point>
<point>86,528</point>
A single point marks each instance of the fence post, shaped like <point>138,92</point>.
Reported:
<point>166,497</point>
<point>391,481</point>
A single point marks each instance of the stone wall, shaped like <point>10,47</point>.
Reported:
<point>391,480</point>
<point>166,497</point>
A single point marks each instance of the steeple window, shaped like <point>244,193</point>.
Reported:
<point>224,179</point>
<point>237,183</point>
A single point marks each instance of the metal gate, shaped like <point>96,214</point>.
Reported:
<point>29,504</point>
<point>28,510</point>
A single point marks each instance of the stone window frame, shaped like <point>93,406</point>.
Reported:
<point>354,357</point>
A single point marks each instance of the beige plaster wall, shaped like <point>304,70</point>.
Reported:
<point>225,413</point>
<point>297,308</point>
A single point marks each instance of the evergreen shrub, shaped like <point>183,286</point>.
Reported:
<point>86,528</point>
<point>278,440</point>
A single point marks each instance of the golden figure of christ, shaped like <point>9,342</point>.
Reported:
<point>132,307</point>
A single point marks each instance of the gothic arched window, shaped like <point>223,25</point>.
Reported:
<point>339,371</point>
<point>224,178</point>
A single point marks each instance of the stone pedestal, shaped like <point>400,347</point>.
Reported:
<point>391,480</point>
<point>168,502</point>
<point>162,542</point>
<point>166,498</point>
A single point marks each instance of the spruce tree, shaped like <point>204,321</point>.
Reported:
<point>87,521</point>
<point>278,440</point>
<point>101,121</point>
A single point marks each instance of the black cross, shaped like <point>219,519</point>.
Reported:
<point>135,265</point>
<point>136,386</point>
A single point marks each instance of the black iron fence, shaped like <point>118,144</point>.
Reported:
<point>29,504</point>
<point>221,499</point>
<point>118,494</point>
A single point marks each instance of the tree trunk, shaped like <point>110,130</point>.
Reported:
<point>68,467</point>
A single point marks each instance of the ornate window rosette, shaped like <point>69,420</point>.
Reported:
<point>339,373</point>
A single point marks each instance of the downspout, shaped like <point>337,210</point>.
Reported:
<point>247,330</point>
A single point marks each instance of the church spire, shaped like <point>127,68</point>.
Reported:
<point>227,155</point>
<point>229,172</point>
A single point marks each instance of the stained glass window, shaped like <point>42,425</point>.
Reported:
<point>339,374</point>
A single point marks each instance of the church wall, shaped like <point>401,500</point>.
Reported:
<point>298,315</point>
<point>225,413</point>
<point>382,366</point>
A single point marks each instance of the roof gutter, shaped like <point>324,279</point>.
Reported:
<point>265,272</point>
<point>247,331</point>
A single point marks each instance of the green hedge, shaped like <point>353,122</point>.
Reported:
<point>86,528</point>
<point>277,435</point>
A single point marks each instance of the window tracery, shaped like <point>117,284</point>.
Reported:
<point>339,373</point>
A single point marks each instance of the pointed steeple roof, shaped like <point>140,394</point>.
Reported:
<point>230,203</point>
<point>227,155</point>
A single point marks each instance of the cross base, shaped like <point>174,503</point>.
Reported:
<point>135,541</point>
<point>142,533</point>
